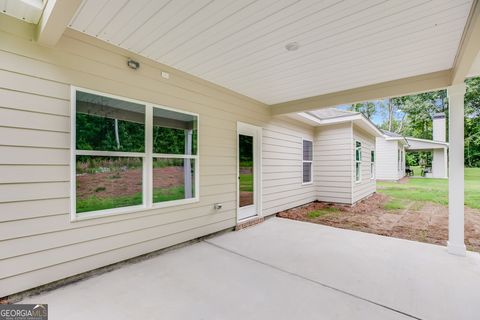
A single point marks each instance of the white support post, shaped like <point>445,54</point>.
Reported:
<point>187,165</point>
<point>456,226</point>
<point>445,162</point>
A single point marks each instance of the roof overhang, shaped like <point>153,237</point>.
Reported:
<point>402,140</point>
<point>344,56</point>
<point>416,144</point>
<point>357,118</point>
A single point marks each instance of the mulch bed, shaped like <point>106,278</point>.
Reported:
<point>424,222</point>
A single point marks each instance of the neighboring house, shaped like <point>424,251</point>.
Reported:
<point>392,148</point>
<point>344,155</point>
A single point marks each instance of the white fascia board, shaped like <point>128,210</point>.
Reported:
<point>428,141</point>
<point>358,118</point>
<point>375,131</point>
<point>332,120</point>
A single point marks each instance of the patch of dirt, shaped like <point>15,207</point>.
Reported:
<point>404,180</point>
<point>246,198</point>
<point>424,222</point>
<point>125,183</point>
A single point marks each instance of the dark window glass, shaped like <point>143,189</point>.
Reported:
<point>107,124</point>
<point>246,172</point>
<point>307,172</point>
<point>307,150</point>
<point>174,132</point>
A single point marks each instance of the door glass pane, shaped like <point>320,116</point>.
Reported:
<point>245,146</point>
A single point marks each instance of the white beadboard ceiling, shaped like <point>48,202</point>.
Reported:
<point>240,44</point>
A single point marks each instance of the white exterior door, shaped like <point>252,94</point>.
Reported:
<point>248,171</point>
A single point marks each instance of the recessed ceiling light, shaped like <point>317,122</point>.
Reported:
<point>292,46</point>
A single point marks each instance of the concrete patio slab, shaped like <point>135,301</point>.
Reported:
<point>420,279</point>
<point>282,269</point>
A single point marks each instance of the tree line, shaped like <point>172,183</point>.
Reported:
<point>412,116</point>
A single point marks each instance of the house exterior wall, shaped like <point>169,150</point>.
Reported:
<point>39,243</point>
<point>282,166</point>
<point>439,163</point>
<point>387,159</point>
<point>367,185</point>
<point>333,161</point>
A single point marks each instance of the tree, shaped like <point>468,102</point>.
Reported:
<point>368,109</point>
<point>472,123</point>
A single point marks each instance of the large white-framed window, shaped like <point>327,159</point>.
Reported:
<point>372,164</point>
<point>358,161</point>
<point>307,161</point>
<point>129,155</point>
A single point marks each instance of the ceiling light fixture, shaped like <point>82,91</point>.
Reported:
<point>292,46</point>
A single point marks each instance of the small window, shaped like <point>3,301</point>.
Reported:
<point>402,164</point>
<point>130,155</point>
<point>372,164</point>
<point>358,161</point>
<point>307,161</point>
<point>399,161</point>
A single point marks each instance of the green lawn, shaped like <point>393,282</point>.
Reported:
<point>246,182</point>
<point>432,190</point>
<point>322,212</point>
<point>95,203</point>
<point>417,171</point>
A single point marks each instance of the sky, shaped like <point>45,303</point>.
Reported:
<point>380,114</point>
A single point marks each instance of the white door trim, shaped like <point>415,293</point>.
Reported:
<point>256,132</point>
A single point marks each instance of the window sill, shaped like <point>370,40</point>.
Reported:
<point>307,183</point>
<point>129,210</point>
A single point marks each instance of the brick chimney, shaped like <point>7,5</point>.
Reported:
<point>439,127</point>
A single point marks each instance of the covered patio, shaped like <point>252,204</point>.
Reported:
<point>283,269</point>
<point>439,151</point>
<point>233,64</point>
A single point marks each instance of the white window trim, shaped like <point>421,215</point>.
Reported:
<point>373,166</point>
<point>147,158</point>
<point>307,161</point>
<point>358,161</point>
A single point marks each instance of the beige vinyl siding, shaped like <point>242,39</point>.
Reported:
<point>38,242</point>
<point>282,165</point>
<point>387,159</point>
<point>333,156</point>
<point>366,186</point>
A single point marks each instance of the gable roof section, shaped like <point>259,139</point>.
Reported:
<point>330,116</point>
<point>414,143</point>
<point>425,144</point>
